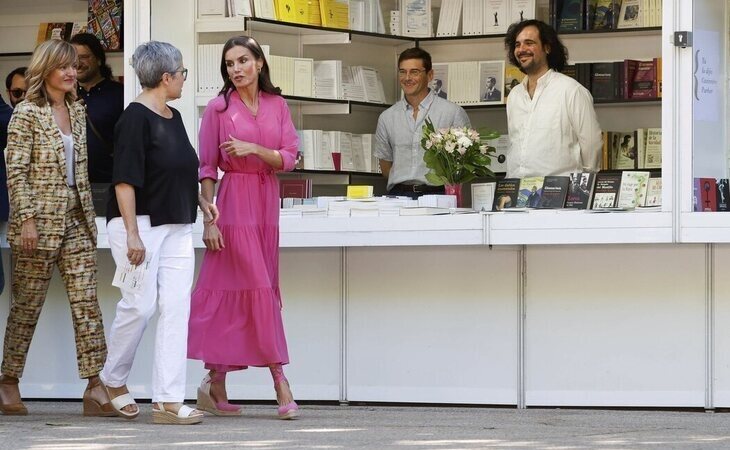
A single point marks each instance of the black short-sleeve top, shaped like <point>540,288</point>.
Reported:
<point>153,154</point>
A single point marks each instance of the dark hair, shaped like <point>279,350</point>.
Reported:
<point>558,56</point>
<point>92,43</point>
<point>250,43</point>
<point>9,79</point>
<point>416,53</point>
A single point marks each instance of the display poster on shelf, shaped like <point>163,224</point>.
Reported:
<point>707,81</point>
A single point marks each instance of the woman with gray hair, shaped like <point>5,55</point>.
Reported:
<point>152,206</point>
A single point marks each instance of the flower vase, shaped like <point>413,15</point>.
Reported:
<point>454,189</point>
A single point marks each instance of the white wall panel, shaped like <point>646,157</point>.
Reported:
<point>432,324</point>
<point>615,325</point>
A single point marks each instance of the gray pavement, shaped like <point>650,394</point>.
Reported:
<point>60,426</point>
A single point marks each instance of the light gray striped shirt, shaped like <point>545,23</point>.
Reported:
<point>398,136</point>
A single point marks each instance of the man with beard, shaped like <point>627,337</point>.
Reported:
<point>400,127</point>
<point>104,100</point>
<point>553,128</point>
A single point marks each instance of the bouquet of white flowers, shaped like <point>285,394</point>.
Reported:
<point>456,155</point>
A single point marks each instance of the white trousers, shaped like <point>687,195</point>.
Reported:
<point>166,286</point>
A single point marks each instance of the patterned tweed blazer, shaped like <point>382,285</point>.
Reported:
<point>37,173</point>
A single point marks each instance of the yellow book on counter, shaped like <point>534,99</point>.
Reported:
<point>355,192</point>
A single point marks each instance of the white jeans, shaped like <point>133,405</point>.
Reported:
<point>167,285</point>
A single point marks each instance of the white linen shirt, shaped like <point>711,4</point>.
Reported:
<point>555,132</point>
<point>398,135</point>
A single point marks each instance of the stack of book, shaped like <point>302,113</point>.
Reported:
<point>481,17</point>
<point>355,151</point>
<point>619,80</point>
<point>582,15</point>
<point>209,9</point>
<point>470,82</point>
<point>604,190</point>
<point>711,194</point>
<point>638,149</point>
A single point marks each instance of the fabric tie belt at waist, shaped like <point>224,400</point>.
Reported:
<point>261,173</point>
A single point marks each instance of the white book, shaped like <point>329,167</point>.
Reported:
<point>367,152</point>
<point>264,9</point>
<point>344,141</point>
<point>482,196</point>
<point>303,79</point>
<point>372,84</point>
<point>443,14</point>
<point>323,155</point>
<point>496,16</point>
<point>240,8</point>
<point>358,156</point>
<point>416,18</point>
<point>357,15</point>
<point>654,192</point>
<point>472,18</point>
<point>328,79</point>
<point>632,192</point>
<point>522,10</point>
<point>464,82</point>
<point>211,8</point>
<point>306,147</point>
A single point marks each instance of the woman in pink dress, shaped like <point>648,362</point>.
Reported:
<point>235,317</point>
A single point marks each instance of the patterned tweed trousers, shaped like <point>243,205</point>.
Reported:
<point>76,260</point>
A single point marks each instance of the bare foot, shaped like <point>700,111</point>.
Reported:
<point>116,392</point>
<point>283,393</point>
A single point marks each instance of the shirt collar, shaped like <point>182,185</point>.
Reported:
<point>425,103</point>
<point>542,80</point>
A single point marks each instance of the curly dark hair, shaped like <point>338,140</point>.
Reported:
<point>94,45</point>
<point>557,57</point>
<point>250,43</point>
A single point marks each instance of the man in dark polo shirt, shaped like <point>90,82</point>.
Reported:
<point>104,100</point>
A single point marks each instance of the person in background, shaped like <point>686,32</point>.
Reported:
<point>235,319</point>
<point>16,85</point>
<point>5,113</point>
<point>151,211</point>
<point>552,125</point>
<point>104,100</point>
<point>400,127</point>
<point>52,223</point>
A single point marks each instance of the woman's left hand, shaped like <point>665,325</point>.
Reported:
<point>239,148</point>
<point>210,212</point>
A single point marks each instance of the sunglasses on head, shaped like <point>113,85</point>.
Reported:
<point>17,93</point>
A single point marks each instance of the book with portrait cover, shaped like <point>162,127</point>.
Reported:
<point>505,194</point>
<point>554,192</point>
<point>606,14</point>
<point>530,192</point>
<point>580,190</point>
<point>606,189</point>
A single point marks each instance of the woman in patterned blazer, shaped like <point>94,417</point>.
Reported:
<point>52,223</point>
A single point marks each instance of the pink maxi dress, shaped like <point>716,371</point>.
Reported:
<point>235,314</point>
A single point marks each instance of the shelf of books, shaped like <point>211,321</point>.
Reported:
<point>314,35</point>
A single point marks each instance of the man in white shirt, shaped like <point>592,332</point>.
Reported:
<point>400,127</point>
<point>553,128</point>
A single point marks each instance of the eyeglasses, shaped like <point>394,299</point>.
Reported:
<point>17,93</point>
<point>184,73</point>
<point>412,73</point>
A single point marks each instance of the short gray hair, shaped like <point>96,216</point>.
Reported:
<point>153,59</point>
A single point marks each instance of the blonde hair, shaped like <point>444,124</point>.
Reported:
<point>47,57</point>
